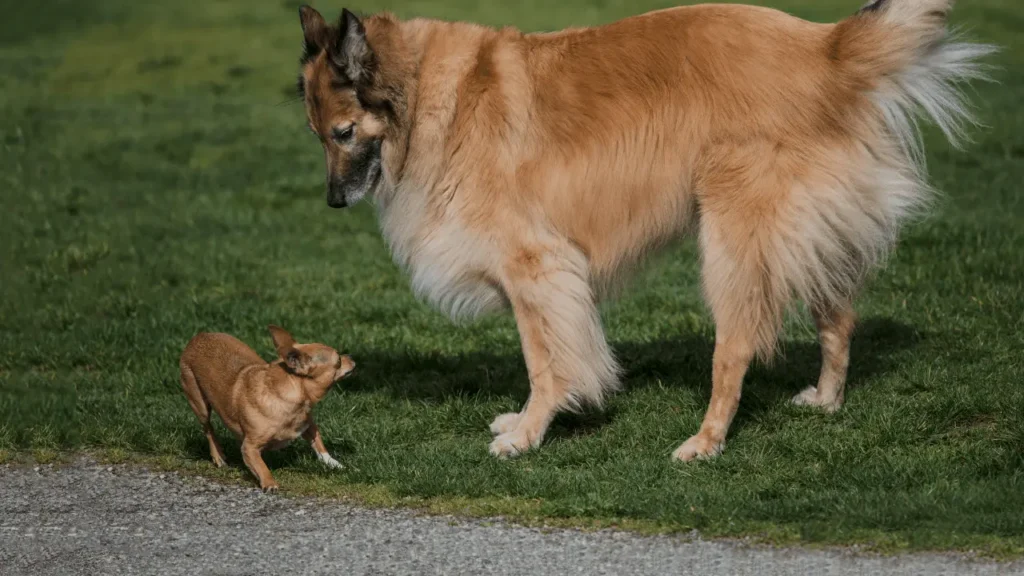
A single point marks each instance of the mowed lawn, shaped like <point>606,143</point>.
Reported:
<point>157,180</point>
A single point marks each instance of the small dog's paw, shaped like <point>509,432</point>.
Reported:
<point>809,397</point>
<point>698,447</point>
<point>271,488</point>
<point>510,444</point>
<point>329,461</point>
<point>505,423</point>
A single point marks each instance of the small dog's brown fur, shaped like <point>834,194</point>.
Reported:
<point>267,405</point>
<point>533,170</point>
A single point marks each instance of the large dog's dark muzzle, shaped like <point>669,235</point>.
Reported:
<point>362,176</point>
<point>337,192</point>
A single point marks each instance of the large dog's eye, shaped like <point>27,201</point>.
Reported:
<point>344,135</point>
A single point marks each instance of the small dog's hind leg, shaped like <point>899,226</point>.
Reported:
<point>198,403</point>
<point>835,328</point>
<point>312,435</point>
<point>216,452</point>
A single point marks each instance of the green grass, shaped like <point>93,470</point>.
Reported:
<point>153,186</point>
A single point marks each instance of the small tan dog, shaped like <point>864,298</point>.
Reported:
<point>266,404</point>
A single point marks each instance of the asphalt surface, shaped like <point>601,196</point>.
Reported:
<point>92,519</point>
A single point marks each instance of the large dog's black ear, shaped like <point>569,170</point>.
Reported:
<point>314,31</point>
<point>350,54</point>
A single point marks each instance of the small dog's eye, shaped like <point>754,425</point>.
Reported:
<point>343,135</point>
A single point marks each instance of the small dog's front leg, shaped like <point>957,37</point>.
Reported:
<point>253,457</point>
<point>312,435</point>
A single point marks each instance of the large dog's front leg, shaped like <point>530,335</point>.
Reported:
<point>563,343</point>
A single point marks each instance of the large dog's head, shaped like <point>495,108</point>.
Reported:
<point>345,106</point>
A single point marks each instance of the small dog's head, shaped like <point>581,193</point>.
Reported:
<point>315,361</point>
<point>345,105</point>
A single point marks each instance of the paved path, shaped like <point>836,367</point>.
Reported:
<point>93,520</point>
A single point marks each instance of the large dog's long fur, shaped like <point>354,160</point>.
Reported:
<point>532,169</point>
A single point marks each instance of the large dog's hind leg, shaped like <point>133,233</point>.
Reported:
<point>747,301</point>
<point>835,327</point>
<point>567,358</point>
<point>731,359</point>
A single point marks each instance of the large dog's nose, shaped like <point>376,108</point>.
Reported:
<point>336,194</point>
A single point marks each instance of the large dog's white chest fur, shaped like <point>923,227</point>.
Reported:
<point>448,266</point>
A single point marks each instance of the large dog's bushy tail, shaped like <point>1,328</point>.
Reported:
<point>902,64</point>
<point>904,53</point>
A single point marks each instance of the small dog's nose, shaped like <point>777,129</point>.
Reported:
<point>348,366</point>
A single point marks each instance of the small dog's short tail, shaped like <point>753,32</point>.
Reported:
<point>903,52</point>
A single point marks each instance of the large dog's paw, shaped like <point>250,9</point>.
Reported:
<point>698,447</point>
<point>510,444</point>
<point>809,397</point>
<point>505,423</point>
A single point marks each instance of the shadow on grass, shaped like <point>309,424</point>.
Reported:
<point>197,448</point>
<point>678,362</point>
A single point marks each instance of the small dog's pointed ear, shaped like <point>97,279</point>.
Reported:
<point>314,31</point>
<point>283,341</point>
<point>350,53</point>
<point>298,362</point>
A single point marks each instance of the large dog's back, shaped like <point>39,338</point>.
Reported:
<point>791,143</point>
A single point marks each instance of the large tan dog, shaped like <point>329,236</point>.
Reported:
<point>266,404</point>
<point>533,169</point>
